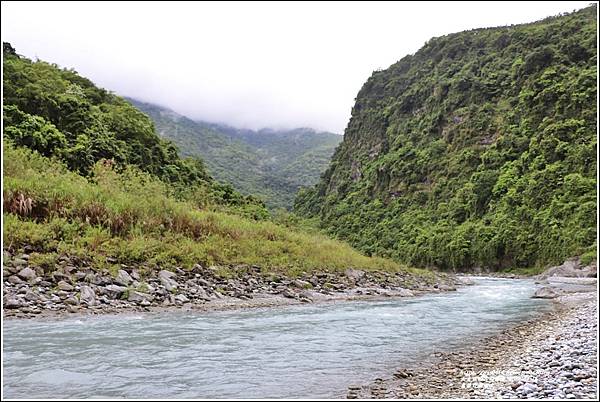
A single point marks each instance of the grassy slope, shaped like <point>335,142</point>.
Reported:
<point>131,218</point>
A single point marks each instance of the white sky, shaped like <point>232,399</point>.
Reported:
<point>249,65</point>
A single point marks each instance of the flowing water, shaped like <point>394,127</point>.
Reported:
<point>288,352</point>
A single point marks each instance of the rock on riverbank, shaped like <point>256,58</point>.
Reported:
<point>75,286</point>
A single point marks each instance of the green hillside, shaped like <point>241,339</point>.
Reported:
<point>86,177</point>
<point>58,113</point>
<point>271,164</point>
<point>478,150</point>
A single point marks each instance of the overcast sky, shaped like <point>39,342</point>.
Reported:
<point>249,65</point>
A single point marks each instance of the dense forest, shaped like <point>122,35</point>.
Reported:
<point>270,164</point>
<point>477,151</point>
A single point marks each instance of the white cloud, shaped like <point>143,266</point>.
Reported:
<point>247,64</point>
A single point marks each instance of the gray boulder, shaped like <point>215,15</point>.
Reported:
<point>545,293</point>
<point>31,296</point>
<point>59,276</point>
<point>165,274</point>
<point>15,280</point>
<point>114,291</point>
<point>27,274</point>
<point>79,275</point>
<point>302,284</point>
<point>72,301</point>
<point>181,298</point>
<point>466,281</point>
<point>87,295</point>
<point>123,278</point>
<point>201,293</point>
<point>62,285</point>
<point>12,303</point>
<point>405,293</point>
<point>307,296</point>
<point>169,284</point>
<point>355,274</point>
<point>571,268</point>
<point>139,297</point>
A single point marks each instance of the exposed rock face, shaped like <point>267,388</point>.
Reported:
<point>429,146</point>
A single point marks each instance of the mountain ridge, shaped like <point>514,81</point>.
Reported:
<point>477,150</point>
<point>269,163</point>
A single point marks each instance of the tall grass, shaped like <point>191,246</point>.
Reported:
<point>133,218</point>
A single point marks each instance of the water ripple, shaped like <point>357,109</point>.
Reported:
<point>297,351</point>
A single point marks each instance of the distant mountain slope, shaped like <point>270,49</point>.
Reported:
<point>271,164</point>
<point>478,150</point>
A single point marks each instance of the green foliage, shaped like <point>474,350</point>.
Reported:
<point>132,216</point>
<point>58,113</point>
<point>478,150</point>
<point>269,164</point>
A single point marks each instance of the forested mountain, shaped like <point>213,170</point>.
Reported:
<point>87,179</point>
<point>478,150</point>
<point>271,164</point>
<point>60,114</point>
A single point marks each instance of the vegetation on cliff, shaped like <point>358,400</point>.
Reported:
<point>478,150</point>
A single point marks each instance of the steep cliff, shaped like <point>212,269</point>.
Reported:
<point>478,150</point>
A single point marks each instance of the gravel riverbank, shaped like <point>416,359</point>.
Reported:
<point>553,356</point>
<point>73,286</point>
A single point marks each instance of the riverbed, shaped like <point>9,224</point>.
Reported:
<point>313,350</point>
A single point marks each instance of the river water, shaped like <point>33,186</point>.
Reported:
<point>289,352</point>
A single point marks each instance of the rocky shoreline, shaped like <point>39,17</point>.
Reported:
<point>553,356</point>
<point>74,286</point>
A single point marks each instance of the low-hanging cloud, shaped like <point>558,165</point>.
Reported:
<point>250,65</point>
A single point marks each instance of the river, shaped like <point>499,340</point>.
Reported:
<point>288,352</point>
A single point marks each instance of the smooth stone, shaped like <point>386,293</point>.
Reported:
<point>15,280</point>
<point>62,285</point>
<point>181,298</point>
<point>27,274</point>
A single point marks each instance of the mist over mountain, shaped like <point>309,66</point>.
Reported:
<point>272,164</point>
